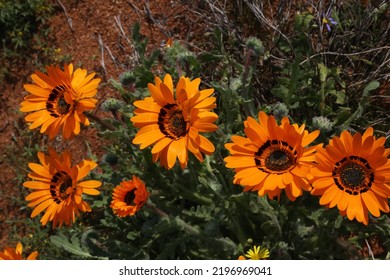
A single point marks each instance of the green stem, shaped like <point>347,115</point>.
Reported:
<point>249,106</point>
<point>100,121</point>
<point>190,229</point>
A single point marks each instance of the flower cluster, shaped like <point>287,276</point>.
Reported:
<point>273,159</point>
<point>351,172</point>
<point>58,100</point>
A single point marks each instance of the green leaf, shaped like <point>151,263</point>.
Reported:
<point>132,235</point>
<point>73,246</point>
<point>370,87</point>
<point>363,103</point>
<point>323,71</point>
<point>340,96</point>
<point>280,92</point>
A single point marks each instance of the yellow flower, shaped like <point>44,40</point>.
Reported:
<point>58,99</point>
<point>16,254</point>
<point>173,122</point>
<point>57,187</point>
<point>272,157</point>
<point>257,253</point>
<point>129,197</point>
<point>353,173</point>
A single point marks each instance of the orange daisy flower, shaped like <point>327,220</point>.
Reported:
<point>57,187</point>
<point>58,99</point>
<point>272,158</point>
<point>16,254</point>
<point>173,122</point>
<point>353,173</point>
<point>129,197</point>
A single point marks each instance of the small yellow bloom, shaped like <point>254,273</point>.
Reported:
<point>257,253</point>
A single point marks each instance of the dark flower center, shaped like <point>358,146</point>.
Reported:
<point>172,122</point>
<point>353,175</point>
<point>129,198</point>
<point>56,103</point>
<point>62,106</point>
<point>275,156</point>
<point>59,184</point>
<point>278,160</point>
<point>177,124</point>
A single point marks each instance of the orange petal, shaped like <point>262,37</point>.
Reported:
<point>39,169</point>
<point>240,161</point>
<point>41,207</point>
<point>36,185</point>
<point>90,184</point>
<point>205,145</point>
<point>160,145</point>
<point>91,191</point>
<point>250,176</point>
<point>172,153</point>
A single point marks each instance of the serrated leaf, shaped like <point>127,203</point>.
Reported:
<point>73,246</point>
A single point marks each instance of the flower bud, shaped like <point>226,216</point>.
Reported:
<point>256,45</point>
<point>112,104</point>
<point>322,123</point>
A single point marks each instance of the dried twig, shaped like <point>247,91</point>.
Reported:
<point>135,8</point>
<point>256,10</point>
<point>101,44</point>
<point>344,54</point>
<point>70,22</point>
<point>121,30</point>
<point>369,250</point>
<point>111,55</point>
